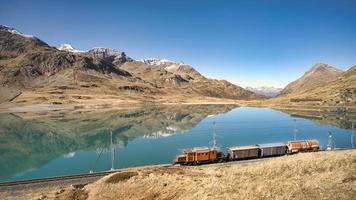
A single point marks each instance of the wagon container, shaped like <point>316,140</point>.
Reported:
<point>272,149</point>
<point>243,152</point>
<point>302,146</point>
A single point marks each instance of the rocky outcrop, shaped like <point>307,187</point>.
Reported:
<point>110,55</point>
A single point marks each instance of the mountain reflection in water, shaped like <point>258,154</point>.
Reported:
<point>53,143</point>
<point>29,140</point>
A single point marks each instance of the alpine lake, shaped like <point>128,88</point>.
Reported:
<point>55,143</point>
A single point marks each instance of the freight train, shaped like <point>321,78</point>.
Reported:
<point>202,155</point>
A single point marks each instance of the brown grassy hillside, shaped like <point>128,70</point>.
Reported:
<point>340,91</point>
<point>318,75</point>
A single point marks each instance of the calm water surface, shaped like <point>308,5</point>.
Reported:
<point>34,145</point>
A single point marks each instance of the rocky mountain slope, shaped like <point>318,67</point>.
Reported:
<point>33,72</point>
<point>265,91</point>
<point>339,91</point>
<point>318,75</point>
<point>110,55</point>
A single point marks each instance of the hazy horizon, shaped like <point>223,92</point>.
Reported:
<point>247,43</point>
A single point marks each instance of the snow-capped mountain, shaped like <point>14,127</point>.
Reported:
<point>156,61</point>
<point>68,47</point>
<point>266,91</point>
<point>14,31</point>
<point>178,68</point>
<point>124,77</point>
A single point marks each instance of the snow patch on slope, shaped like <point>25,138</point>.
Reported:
<point>168,65</point>
<point>14,31</point>
<point>156,61</point>
<point>68,47</point>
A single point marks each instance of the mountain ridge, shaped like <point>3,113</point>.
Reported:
<point>317,75</point>
<point>42,73</point>
<point>338,92</point>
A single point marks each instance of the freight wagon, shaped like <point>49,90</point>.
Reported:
<point>243,152</point>
<point>302,146</point>
<point>272,149</point>
<point>211,154</point>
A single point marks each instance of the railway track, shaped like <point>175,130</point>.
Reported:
<point>55,178</point>
<point>71,177</point>
<point>104,173</point>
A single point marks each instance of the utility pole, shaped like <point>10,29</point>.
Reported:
<point>112,147</point>
<point>214,135</point>
<point>330,141</point>
<point>295,129</point>
<point>352,134</point>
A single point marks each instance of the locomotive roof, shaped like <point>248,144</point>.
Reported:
<point>199,149</point>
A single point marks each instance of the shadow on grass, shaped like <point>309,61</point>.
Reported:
<point>121,176</point>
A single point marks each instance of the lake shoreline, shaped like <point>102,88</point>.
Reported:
<point>14,107</point>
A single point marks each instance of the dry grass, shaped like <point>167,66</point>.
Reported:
<point>321,175</point>
<point>121,176</point>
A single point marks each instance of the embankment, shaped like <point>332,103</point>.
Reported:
<point>320,175</point>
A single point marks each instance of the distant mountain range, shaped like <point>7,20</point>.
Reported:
<point>34,72</point>
<point>265,91</point>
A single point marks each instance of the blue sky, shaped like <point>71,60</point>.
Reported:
<point>250,43</point>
